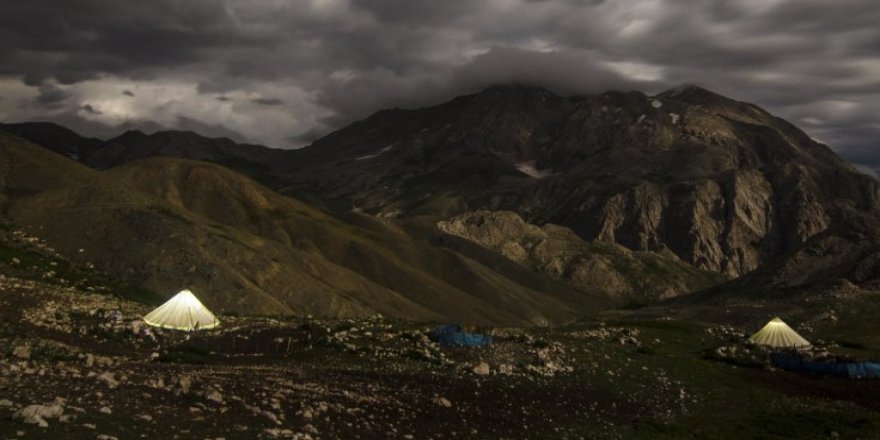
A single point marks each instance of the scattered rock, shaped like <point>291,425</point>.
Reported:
<point>442,401</point>
<point>481,369</point>
<point>307,414</point>
<point>271,416</point>
<point>109,378</point>
<point>214,396</point>
<point>185,382</point>
<point>22,352</point>
<point>37,414</point>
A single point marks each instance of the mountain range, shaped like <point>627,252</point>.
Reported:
<point>510,206</point>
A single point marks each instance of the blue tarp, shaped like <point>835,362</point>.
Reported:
<point>844,369</point>
<point>452,335</point>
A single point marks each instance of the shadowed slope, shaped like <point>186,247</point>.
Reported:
<point>167,223</point>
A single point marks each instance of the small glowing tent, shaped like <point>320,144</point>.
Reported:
<point>779,335</point>
<point>182,312</point>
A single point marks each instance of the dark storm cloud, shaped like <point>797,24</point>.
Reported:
<point>324,63</point>
<point>88,108</point>
<point>564,73</point>
<point>267,101</point>
<point>51,96</point>
<point>304,138</point>
<point>71,41</point>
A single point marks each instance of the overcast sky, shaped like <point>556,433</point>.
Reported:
<point>281,73</point>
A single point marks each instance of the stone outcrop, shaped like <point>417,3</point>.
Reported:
<point>626,275</point>
<point>722,184</point>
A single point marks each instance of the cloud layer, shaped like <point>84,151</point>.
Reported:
<point>281,72</point>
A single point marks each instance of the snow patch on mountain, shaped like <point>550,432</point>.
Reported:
<point>528,168</point>
<point>375,155</point>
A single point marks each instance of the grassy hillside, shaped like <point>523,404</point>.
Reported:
<point>165,224</point>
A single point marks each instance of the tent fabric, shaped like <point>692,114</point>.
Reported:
<point>182,312</point>
<point>844,369</point>
<point>453,335</point>
<point>779,335</point>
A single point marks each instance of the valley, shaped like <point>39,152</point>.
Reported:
<point>619,248</point>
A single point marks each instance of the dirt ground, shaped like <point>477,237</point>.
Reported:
<point>79,365</point>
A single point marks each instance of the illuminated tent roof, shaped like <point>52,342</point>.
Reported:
<point>182,312</point>
<point>778,334</point>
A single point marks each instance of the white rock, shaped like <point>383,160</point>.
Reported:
<point>442,401</point>
<point>215,396</point>
<point>109,378</point>
<point>271,416</point>
<point>482,369</point>
<point>22,352</point>
<point>37,414</point>
<point>185,383</point>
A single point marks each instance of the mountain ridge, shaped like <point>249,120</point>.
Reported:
<point>166,223</point>
<point>721,184</point>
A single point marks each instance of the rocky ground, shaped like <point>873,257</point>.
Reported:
<point>77,362</point>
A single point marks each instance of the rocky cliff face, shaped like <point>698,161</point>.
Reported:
<point>628,276</point>
<point>722,184</point>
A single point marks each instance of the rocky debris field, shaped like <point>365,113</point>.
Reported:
<point>77,364</point>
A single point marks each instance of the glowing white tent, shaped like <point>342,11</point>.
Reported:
<point>778,334</point>
<point>182,312</point>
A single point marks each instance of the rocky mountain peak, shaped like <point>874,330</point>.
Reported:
<point>721,183</point>
<point>514,91</point>
<point>130,136</point>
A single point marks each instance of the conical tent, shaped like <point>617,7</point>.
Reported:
<point>778,334</point>
<point>182,312</point>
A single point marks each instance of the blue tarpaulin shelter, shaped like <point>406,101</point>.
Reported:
<point>844,369</point>
<point>452,335</point>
